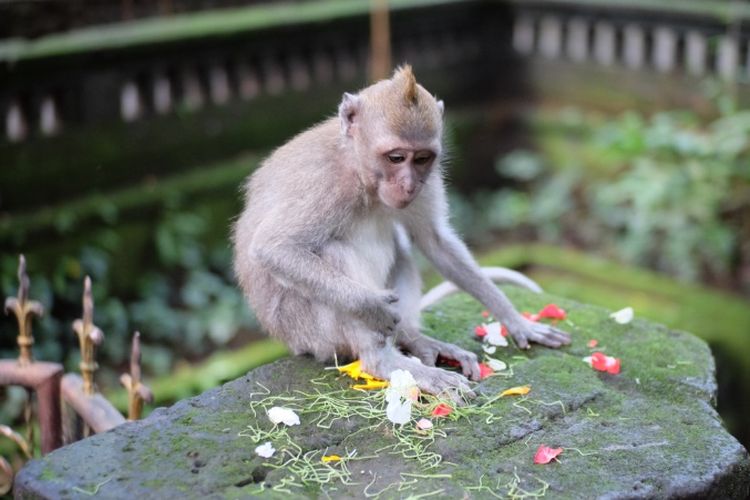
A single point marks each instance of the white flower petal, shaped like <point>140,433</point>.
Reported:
<point>623,316</point>
<point>399,412</point>
<point>278,415</point>
<point>496,364</point>
<point>489,349</point>
<point>424,423</point>
<point>587,360</point>
<point>403,384</point>
<point>266,450</point>
<point>494,334</point>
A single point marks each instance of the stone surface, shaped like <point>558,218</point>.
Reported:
<point>649,432</point>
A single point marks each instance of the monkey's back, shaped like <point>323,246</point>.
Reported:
<point>299,195</point>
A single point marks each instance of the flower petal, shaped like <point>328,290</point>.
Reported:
<point>623,316</point>
<point>520,390</point>
<point>399,411</point>
<point>266,450</point>
<point>485,314</point>
<point>286,416</point>
<point>545,454</point>
<point>424,424</point>
<point>604,363</point>
<point>552,311</point>
<point>494,334</point>
<point>530,316</point>
<point>371,385</point>
<point>330,458</point>
<point>479,331</point>
<point>489,349</point>
<point>485,371</point>
<point>442,410</point>
<point>592,343</point>
<point>496,364</point>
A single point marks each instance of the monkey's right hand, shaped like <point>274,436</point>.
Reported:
<point>380,312</point>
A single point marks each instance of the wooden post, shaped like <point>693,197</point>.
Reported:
<point>380,40</point>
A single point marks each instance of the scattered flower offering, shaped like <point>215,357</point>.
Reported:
<point>424,424</point>
<point>448,362</point>
<point>552,311</point>
<point>371,385</point>
<point>520,390</point>
<point>495,334</point>
<point>623,316</point>
<point>496,364</point>
<point>603,363</point>
<point>480,331</point>
<point>592,343</point>
<point>530,316</point>
<point>266,450</point>
<point>330,458</point>
<point>278,415</point>
<point>485,314</point>
<point>489,349</point>
<point>545,454</point>
<point>442,410</point>
<point>354,371</point>
<point>400,394</point>
<point>485,371</point>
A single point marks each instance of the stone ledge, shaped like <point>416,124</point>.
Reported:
<point>651,431</point>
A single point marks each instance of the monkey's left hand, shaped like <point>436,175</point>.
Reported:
<point>523,331</point>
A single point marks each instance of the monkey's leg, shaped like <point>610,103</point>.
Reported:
<point>405,281</point>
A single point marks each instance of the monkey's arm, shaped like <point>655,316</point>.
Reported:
<point>440,244</point>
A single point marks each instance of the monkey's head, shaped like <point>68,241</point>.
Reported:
<point>395,129</point>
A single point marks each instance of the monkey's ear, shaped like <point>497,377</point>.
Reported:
<point>348,110</point>
<point>441,106</point>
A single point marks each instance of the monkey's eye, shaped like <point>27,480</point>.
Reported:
<point>423,159</point>
<point>396,157</point>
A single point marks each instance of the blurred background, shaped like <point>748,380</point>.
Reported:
<point>601,146</point>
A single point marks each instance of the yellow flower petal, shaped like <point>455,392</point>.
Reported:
<point>516,391</point>
<point>371,384</point>
<point>330,458</point>
<point>354,370</point>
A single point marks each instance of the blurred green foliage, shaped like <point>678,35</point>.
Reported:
<point>186,307</point>
<point>668,191</point>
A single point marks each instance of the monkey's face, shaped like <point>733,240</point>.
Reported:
<point>402,171</point>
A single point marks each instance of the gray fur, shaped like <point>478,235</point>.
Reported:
<point>324,257</point>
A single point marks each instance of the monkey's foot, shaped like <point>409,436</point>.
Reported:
<point>382,362</point>
<point>540,333</point>
<point>428,349</point>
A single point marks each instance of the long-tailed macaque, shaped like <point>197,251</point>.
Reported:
<point>323,247</point>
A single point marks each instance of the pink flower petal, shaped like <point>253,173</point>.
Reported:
<point>545,454</point>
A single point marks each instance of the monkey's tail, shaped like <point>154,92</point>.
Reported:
<point>496,274</point>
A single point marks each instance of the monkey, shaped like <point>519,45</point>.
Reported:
<point>323,247</point>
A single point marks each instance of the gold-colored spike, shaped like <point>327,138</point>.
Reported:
<point>24,310</point>
<point>138,393</point>
<point>89,336</point>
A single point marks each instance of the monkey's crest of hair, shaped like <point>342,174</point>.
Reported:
<point>404,78</point>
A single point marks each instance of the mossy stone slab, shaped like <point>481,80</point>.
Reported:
<point>649,432</point>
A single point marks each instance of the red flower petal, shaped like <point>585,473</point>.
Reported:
<point>448,362</point>
<point>480,331</point>
<point>545,454</point>
<point>503,331</point>
<point>529,316</point>
<point>442,410</point>
<point>485,314</point>
<point>552,311</point>
<point>485,371</point>
<point>592,343</point>
<point>604,363</point>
